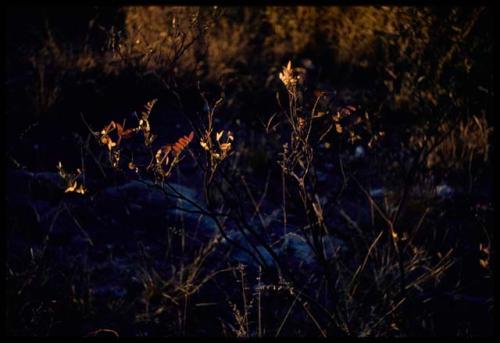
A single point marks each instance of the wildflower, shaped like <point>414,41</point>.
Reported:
<point>287,77</point>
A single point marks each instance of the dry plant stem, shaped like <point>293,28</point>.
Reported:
<point>255,205</point>
<point>315,229</point>
<point>330,127</point>
<point>82,160</point>
<point>258,257</point>
<point>392,233</point>
<point>87,148</point>
<point>242,223</point>
<point>408,183</point>
<point>98,331</point>
<point>289,274</point>
<point>78,225</point>
<point>302,154</point>
<point>286,316</point>
<point>245,305</point>
<point>283,187</point>
<point>417,227</point>
<point>58,211</point>
<point>210,214</point>
<point>362,266</point>
<point>184,318</point>
<point>264,193</point>
<point>240,220</point>
<point>259,305</point>
<point>241,211</point>
<point>388,313</point>
<point>305,306</point>
<point>462,36</point>
<point>220,227</point>
<point>421,156</point>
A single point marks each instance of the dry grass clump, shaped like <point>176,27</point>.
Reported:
<point>463,143</point>
<point>293,28</point>
<point>351,33</point>
<point>166,43</point>
<point>157,37</point>
<point>201,41</point>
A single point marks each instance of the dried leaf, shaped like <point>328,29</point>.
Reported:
<point>80,190</point>
<point>204,145</point>
<point>148,108</point>
<point>181,144</point>
<point>71,187</point>
<point>394,235</point>
<point>225,146</point>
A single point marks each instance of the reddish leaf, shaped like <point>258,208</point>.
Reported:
<point>182,143</point>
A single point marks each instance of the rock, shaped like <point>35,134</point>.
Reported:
<point>444,191</point>
<point>377,192</point>
<point>174,200</point>
<point>19,185</point>
<point>242,256</point>
<point>293,247</point>
<point>359,152</point>
<point>297,246</point>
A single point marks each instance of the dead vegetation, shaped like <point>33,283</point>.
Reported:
<point>287,171</point>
